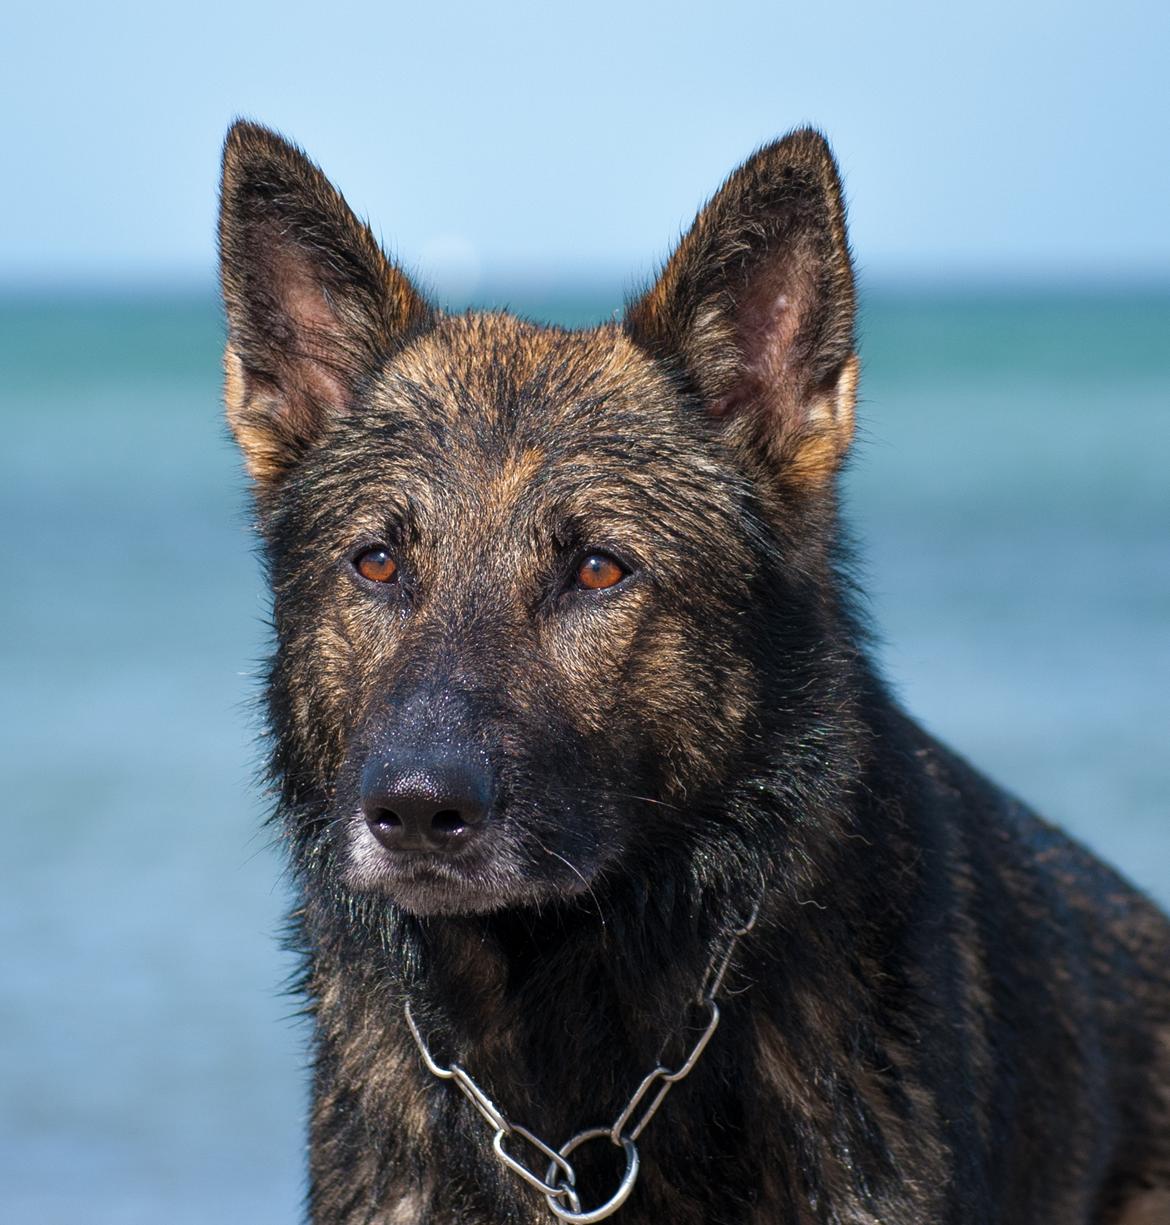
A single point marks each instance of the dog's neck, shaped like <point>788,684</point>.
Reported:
<point>620,951</point>
<point>558,1013</point>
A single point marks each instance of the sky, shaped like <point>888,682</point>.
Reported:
<point>1006,139</point>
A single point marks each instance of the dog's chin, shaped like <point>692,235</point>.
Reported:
<point>467,883</point>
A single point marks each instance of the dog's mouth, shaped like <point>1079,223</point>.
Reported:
<point>474,874</point>
<point>427,882</point>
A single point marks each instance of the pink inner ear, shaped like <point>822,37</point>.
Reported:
<point>315,349</point>
<point>768,324</point>
<point>767,316</point>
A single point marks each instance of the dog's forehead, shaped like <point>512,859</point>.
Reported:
<point>497,376</point>
<point>489,412</point>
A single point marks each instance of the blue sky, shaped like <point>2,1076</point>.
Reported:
<point>998,139</point>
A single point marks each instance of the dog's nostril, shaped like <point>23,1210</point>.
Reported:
<point>448,822</point>
<point>436,808</point>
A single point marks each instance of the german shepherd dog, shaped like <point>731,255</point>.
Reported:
<point>579,751</point>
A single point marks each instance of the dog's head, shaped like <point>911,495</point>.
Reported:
<point>540,596</point>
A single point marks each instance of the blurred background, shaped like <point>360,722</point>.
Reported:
<point>1007,170</point>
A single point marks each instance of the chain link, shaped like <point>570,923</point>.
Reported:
<point>558,1185</point>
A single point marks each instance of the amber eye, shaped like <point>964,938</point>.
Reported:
<point>376,565</point>
<point>599,571</point>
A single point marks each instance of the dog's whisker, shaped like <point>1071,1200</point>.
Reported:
<point>645,799</point>
<point>579,874</point>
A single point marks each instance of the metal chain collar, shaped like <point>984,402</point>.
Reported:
<point>558,1185</point>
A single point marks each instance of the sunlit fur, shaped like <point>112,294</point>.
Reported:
<point>947,1011</point>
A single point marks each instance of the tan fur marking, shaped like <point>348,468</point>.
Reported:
<point>249,422</point>
<point>517,473</point>
<point>822,444</point>
<point>1148,1208</point>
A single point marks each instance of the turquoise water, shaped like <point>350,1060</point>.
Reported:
<point>1012,494</point>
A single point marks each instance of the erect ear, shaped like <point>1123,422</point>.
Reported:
<point>757,307</point>
<point>312,302</point>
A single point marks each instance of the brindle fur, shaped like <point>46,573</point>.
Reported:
<point>948,1012</point>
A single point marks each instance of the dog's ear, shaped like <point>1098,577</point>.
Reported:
<point>312,302</point>
<point>756,306</point>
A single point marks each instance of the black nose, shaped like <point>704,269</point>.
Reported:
<point>425,804</point>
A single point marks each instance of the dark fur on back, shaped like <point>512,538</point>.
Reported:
<point>946,1013</point>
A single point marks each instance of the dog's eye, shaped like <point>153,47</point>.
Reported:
<point>376,565</point>
<point>597,571</point>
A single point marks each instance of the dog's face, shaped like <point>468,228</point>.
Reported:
<point>518,571</point>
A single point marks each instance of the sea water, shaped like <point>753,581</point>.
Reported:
<point>1010,494</point>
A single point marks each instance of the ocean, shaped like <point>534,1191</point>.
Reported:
<point>1010,495</point>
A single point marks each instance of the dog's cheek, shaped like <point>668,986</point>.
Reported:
<point>694,698</point>
<point>333,651</point>
<point>658,685</point>
<point>590,649</point>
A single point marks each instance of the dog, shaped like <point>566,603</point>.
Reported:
<point>626,889</point>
